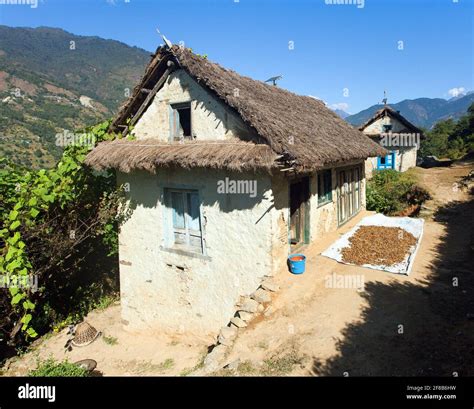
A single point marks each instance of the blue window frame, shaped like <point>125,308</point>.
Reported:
<point>185,222</point>
<point>386,162</point>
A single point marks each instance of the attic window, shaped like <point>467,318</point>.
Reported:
<point>387,128</point>
<point>181,121</point>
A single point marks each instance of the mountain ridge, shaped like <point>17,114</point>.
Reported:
<point>422,112</point>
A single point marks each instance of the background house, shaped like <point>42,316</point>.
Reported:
<point>189,251</point>
<point>399,136</point>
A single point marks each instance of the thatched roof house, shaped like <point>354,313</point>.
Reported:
<point>388,111</point>
<point>300,130</point>
<point>398,135</point>
<point>226,176</point>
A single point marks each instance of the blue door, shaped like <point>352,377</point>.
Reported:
<point>386,162</point>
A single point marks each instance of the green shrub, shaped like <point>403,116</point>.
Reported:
<point>390,191</point>
<point>50,367</point>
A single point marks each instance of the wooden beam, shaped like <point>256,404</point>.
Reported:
<point>125,131</point>
<point>151,94</point>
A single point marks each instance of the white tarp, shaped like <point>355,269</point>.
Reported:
<point>411,225</point>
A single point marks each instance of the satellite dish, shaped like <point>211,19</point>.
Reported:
<point>274,79</point>
<point>167,42</point>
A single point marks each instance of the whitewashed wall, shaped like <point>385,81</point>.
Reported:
<point>280,216</point>
<point>405,157</point>
<point>170,292</point>
<point>210,118</point>
<point>323,219</point>
<point>376,127</point>
<point>245,238</point>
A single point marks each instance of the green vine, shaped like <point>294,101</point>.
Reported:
<point>33,194</point>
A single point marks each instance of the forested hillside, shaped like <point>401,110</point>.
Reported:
<point>52,81</point>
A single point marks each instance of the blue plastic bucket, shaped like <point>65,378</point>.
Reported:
<point>297,263</point>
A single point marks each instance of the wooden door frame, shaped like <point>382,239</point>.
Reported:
<point>306,217</point>
<point>338,193</point>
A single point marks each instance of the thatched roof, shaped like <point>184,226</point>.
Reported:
<point>302,129</point>
<point>148,154</point>
<point>387,110</point>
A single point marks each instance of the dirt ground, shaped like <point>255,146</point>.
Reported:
<point>416,325</point>
<point>393,325</point>
<point>116,351</point>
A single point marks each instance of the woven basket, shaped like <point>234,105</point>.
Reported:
<point>84,335</point>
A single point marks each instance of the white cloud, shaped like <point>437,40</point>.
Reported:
<point>111,2</point>
<point>455,92</point>
<point>319,99</point>
<point>343,106</point>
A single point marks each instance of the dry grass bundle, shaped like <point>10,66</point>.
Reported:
<point>301,127</point>
<point>149,154</point>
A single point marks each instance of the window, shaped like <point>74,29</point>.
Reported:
<point>382,160</point>
<point>186,231</point>
<point>324,187</point>
<point>387,128</point>
<point>181,121</point>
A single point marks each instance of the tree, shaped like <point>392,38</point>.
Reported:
<point>449,138</point>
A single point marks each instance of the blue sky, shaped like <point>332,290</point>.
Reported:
<point>343,54</point>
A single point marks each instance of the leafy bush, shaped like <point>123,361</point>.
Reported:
<point>390,191</point>
<point>60,226</point>
<point>50,367</point>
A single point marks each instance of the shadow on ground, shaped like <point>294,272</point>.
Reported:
<point>437,315</point>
